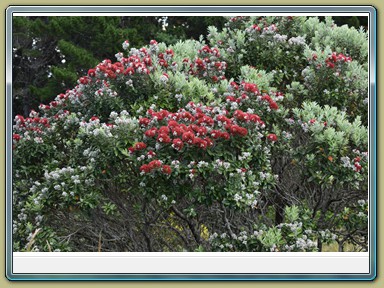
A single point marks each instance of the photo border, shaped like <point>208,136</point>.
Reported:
<point>198,9</point>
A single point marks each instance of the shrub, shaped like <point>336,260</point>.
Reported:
<point>169,147</point>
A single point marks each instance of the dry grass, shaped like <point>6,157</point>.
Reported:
<point>334,247</point>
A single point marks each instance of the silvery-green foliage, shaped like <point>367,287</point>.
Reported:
<point>342,39</point>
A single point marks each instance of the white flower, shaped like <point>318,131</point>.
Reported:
<point>297,40</point>
<point>237,197</point>
<point>361,214</point>
<point>125,44</point>
<point>361,202</point>
<point>164,79</point>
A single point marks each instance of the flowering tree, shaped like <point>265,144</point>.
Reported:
<point>247,143</point>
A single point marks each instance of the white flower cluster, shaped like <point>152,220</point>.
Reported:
<point>361,202</point>
<point>220,163</point>
<point>202,164</point>
<point>237,197</point>
<point>125,45</point>
<point>302,244</point>
<point>299,40</point>
<point>286,135</point>
<point>179,97</point>
<point>346,162</point>
<point>244,156</point>
<point>164,79</point>
<point>280,38</point>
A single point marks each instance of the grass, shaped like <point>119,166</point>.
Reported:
<point>334,247</point>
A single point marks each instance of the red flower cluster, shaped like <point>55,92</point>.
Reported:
<point>250,87</point>
<point>249,90</point>
<point>35,123</point>
<point>186,128</point>
<point>247,117</point>
<point>357,164</point>
<point>16,137</point>
<point>109,69</point>
<point>237,130</point>
<point>272,104</point>
<point>272,137</point>
<point>334,58</point>
<point>137,147</point>
<point>156,164</point>
<point>207,64</point>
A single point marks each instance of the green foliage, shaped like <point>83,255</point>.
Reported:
<point>257,142</point>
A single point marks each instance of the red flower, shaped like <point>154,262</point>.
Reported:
<point>20,118</point>
<point>16,137</point>
<point>266,98</point>
<point>225,135</point>
<point>202,131</point>
<point>92,72</point>
<point>254,118</point>
<point>250,87</point>
<point>199,62</point>
<point>237,130</point>
<point>223,119</point>
<point>139,146</point>
<point>240,115</point>
<point>163,138</point>
<point>131,150</point>
<point>177,144</point>
<point>84,80</point>
<point>148,61</point>
<point>145,168</point>
<point>215,134</point>
<point>177,131</point>
<point>188,137</point>
<point>163,130</point>
<point>151,132</point>
<point>333,57</point>
<point>208,141</point>
<point>357,167</point>
<point>162,62</point>
<point>234,85</point>
<point>272,137</point>
<point>144,121</point>
<point>94,118</point>
<point>172,124</point>
<point>166,169</point>
<point>151,154</point>
<point>230,98</point>
<point>243,131</point>
<point>154,164</point>
<point>200,143</point>
<point>357,159</point>
<point>207,120</point>
<point>273,105</point>
<point>129,71</point>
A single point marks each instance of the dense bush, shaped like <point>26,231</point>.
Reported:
<point>255,141</point>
